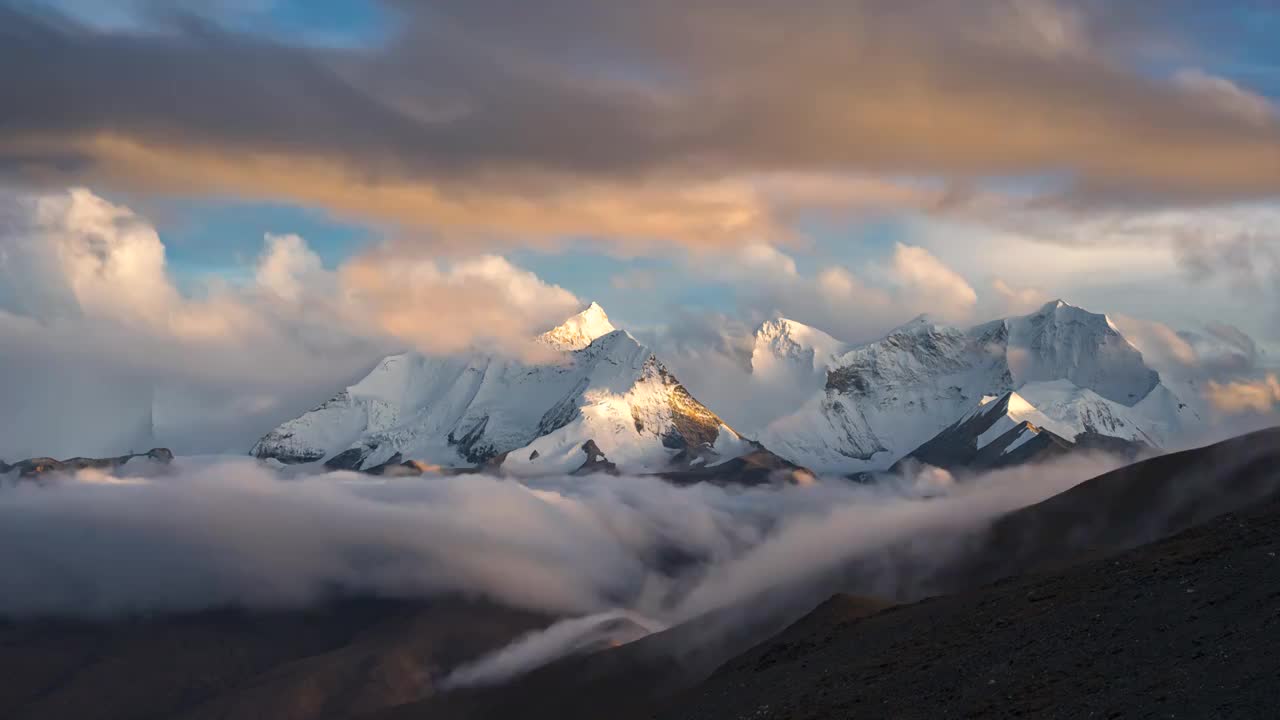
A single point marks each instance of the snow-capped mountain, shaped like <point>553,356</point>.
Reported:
<point>788,348</point>
<point>997,432</point>
<point>603,402</point>
<point>884,399</point>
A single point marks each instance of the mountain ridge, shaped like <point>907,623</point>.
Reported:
<point>602,401</point>
<point>883,399</point>
<point>861,408</point>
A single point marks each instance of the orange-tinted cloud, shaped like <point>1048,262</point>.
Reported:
<point>658,121</point>
<point>1245,396</point>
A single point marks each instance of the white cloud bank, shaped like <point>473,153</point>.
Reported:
<point>217,531</point>
<point>852,304</point>
<point>100,343</point>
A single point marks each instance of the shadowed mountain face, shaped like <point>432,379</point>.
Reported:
<point>1124,508</point>
<point>1002,432</point>
<point>1181,628</point>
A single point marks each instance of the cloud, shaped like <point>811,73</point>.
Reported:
<point>1160,345</point>
<point>478,302</point>
<point>712,357</point>
<point>1123,261</point>
<point>635,280</point>
<point>572,636</point>
<point>1245,396</point>
<point>1216,349</point>
<point>1219,90</point>
<point>224,531</point>
<point>1018,300</point>
<point>928,282</point>
<point>1226,345</point>
<point>642,122</point>
<point>617,556</point>
<point>1245,263</point>
<point>853,306</point>
<point>103,353</point>
<point>1248,258</point>
<point>286,266</point>
<point>75,254</point>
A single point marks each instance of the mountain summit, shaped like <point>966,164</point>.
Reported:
<point>1063,376</point>
<point>580,330</point>
<point>603,403</point>
<point>884,399</point>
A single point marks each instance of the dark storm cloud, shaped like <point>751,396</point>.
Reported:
<point>488,115</point>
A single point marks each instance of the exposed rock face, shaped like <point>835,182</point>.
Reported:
<point>692,424</point>
<point>37,467</point>
<point>348,459</point>
<point>596,461</point>
<point>758,467</point>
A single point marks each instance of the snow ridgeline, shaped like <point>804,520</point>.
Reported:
<point>603,403</point>
<point>606,403</point>
<point>881,401</point>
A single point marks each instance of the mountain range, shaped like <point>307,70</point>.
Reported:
<point>1003,392</point>
<point>602,401</point>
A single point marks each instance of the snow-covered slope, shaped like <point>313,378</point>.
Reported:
<point>1064,342</point>
<point>603,398</point>
<point>998,432</point>
<point>786,347</point>
<point>884,399</point>
<point>580,330</point>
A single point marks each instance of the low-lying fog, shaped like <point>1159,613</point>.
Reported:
<point>219,531</point>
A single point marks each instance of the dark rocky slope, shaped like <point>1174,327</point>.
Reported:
<point>347,658</point>
<point>1185,627</point>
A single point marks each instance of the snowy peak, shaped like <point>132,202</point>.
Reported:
<point>1061,341</point>
<point>783,343</point>
<point>1009,411</point>
<point>888,397</point>
<point>915,353</point>
<point>998,432</point>
<point>1045,419</point>
<point>924,322</point>
<point>605,403</point>
<point>580,330</point>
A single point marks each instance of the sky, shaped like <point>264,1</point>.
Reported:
<point>224,211</point>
